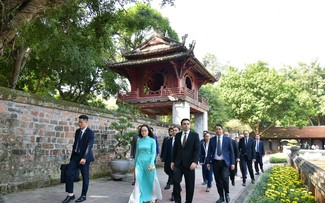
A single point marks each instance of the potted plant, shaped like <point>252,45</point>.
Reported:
<point>294,146</point>
<point>120,165</point>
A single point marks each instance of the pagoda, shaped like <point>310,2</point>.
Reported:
<point>165,78</point>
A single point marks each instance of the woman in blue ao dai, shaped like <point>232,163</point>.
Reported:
<point>147,187</point>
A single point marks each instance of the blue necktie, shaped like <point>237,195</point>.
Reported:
<point>219,147</point>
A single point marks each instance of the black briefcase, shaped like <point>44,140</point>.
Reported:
<point>64,168</point>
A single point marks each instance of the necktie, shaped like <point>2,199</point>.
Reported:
<point>257,146</point>
<point>246,141</point>
<point>219,147</point>
<point>184,139</point>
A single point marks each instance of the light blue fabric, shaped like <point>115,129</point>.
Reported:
<point>145,155</point>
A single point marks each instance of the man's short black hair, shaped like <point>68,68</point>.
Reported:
<point>83,117</point>
<point>185,119</point>
<point>218,125</point>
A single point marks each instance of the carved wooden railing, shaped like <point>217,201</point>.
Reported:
<point>165,94</point>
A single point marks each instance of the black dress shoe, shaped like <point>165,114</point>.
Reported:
<point>220,200</point>
<point>133,183</point>
<point>172,198</point>
<point>227,198</point>
<point>244,184</point>
<point>81,199</point>
<point>167,187</point>
<point>233,183</point>
<point>257,173</point>
<point>253,181</point>
<point>68,199</point>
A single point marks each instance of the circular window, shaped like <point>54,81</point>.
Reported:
<point>188,82</point>
<point>155,81</point>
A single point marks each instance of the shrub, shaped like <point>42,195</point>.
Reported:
<point>278,158</point>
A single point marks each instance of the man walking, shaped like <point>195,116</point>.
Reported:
<point>236,153</point>
<point>81,157</point>
<point>247,156</point>
<point>166,155</point>
<point>259,154</point>
<point>221,156</point>
<point>135,138</point>
<point>184,160</point>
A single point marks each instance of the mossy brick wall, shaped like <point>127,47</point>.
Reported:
<point>37,133</point>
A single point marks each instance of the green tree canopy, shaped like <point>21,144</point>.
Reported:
<point>68,47</point>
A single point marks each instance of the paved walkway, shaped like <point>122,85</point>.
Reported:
<point>106,190</point>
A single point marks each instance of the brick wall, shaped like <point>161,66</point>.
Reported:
<point>36,137</point>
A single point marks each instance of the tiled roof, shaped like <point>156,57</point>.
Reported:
<point>160,49</point>
<point>295,132</point>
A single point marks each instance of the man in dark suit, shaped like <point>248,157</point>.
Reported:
<point>167,158</point>
<point>81,157</point>
<point>166,155</point>
<point>247,155</point>
<point>185,158</point>
<point>206,174</point>
<point>134,147</point>
<point>260,152</point>
<point>221,156</point>
<point>235,147</point>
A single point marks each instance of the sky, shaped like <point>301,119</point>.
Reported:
<point>241,32</point>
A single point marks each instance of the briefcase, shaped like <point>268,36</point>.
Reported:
<point>64,168</point>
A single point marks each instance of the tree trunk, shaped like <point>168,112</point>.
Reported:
<point>271,125</point>
<point>21,59</point>
<point>310,121</point>
<point>16,13</point>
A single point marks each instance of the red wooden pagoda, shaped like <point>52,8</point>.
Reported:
<point>165,78</point>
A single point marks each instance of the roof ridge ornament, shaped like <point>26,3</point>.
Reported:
<point>184,39</point>
<point>192,45</point>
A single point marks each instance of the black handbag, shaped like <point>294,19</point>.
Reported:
<point>64,168</point>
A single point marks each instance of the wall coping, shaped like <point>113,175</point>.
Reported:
<point>50,102</point>
<point>314,173</point>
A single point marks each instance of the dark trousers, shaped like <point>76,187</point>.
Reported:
<point>189,176</point>
<point>234,172</point>
<point>221,175</point>
<point>207,174</point>
<point>72,169</point>
<point>259,161</point>
<point>169,172</point>
<point>244,164</point>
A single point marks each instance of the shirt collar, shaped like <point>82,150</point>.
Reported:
<point>83,130</point>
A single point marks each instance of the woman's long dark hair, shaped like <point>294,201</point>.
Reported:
<point>150,134</point>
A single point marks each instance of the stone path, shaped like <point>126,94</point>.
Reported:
<point>106,190</point>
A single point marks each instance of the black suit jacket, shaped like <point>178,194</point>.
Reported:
<point>261,148</point>
<point>134,144</point>
<point>185,156</point>
<point>166,153</point>
<point>203,154</point>
<point>235,147</point>
<point>86,144</point>
<point>248,150</point>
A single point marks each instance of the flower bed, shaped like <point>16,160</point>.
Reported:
<point>281,184</point>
